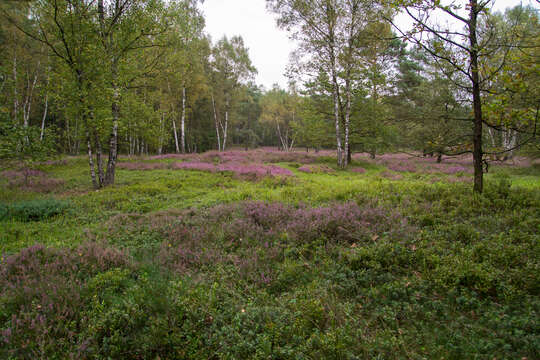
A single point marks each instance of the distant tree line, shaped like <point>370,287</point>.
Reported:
<point>109,77</point>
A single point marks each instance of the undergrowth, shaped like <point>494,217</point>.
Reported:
<point>333,264</point>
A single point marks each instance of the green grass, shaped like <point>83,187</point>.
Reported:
<point>460,281</point>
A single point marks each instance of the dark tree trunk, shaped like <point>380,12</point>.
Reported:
<point>477,104</point>
<point>99,160</point>
<point>113,140</point>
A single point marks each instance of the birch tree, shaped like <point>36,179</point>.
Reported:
<point>279,109</point>
<point>231,67</point>
<point>330,34</point>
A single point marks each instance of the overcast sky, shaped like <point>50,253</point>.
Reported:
<point>269,47</point>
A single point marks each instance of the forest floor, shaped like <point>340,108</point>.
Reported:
<point>262,254</point>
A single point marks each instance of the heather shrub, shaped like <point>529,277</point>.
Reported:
<point>42,298</point>
<point>194,165</point>
<point>358,170</point>
<point>241,169</point>
<point>28,179</point>
<point>33,210</point>
<point>390,175</point>
<point>402,167</point>
<point>336,223</point>
<point>141,166</point>
<point>316,169</point>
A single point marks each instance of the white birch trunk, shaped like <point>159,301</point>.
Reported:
<point>183,125</point>
<point>44,117</point>
<point>225,129</point>
<point>492,137</point>
<point>175,136</point>
<point>46,105</point>
<point>336,120</point>
<point>91,161</point>
<point>28,100</point>
<point>174,122</point>
<point>216,122</point>
<point>347,120</point>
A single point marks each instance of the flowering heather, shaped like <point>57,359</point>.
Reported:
<point>256,170</point>
<point>358,170</point>
<point>140,166</point>
<point>31,180</point>
<point>265,155</point>
<point>171,156</point>
<point>232,233</point>
<point>402,167</point>
<point>344,223</point>
<point>251,170</point>
<point>194,165</point>
<point>318,169</point>
<point>336,222</point>
<point>447,169</point>
<point>22,173</point>
<point>268,215</point>
<point>188,256</point>
<point>43,290</point>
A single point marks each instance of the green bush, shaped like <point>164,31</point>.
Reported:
<point>33,210</point>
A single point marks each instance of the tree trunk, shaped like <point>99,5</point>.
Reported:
<point>44,117</point>
<point>335,89</point>
<point>509,143</point>
<point>226,125</point>
<point>347,157</point>
<point>216,122</point>
<point>46,100</point>
<point>99,160</point>
<point>492,137</point>
<point>183,124</point>
<point>91,161</point>
<point>477,102</point>
<point>27,106</point>
<point>175,136</point>
<point>336,119</point>
<point>113,140</point>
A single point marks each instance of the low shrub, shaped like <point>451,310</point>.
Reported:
<point>28,179</point>
<point>42,298</point>
<point>33,210</point>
